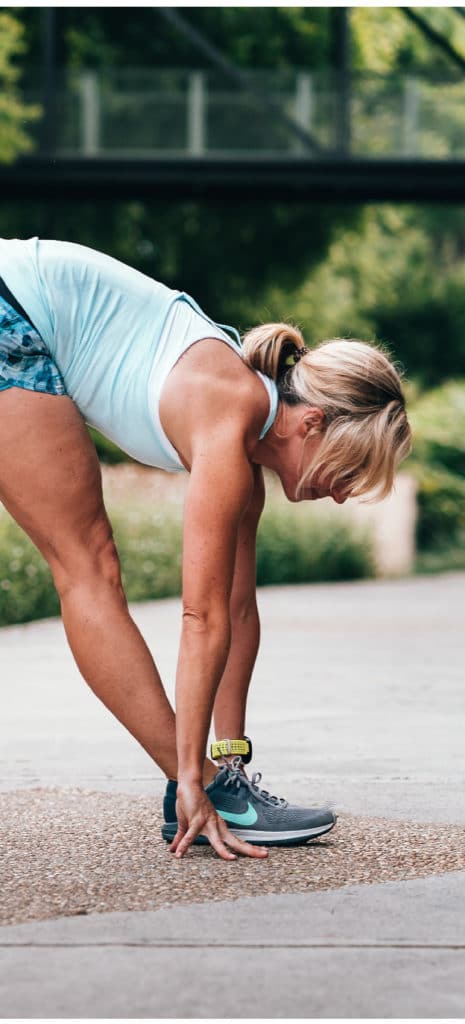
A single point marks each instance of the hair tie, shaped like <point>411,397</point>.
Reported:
<point>296,356</point>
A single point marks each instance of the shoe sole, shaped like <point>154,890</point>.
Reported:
<point>299,838</point>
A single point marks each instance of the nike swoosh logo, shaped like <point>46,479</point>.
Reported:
<point>248,817</point>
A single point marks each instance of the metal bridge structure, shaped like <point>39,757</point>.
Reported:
<point>223,132</point>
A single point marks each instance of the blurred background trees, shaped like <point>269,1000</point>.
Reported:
<point>394,273</point>
<point>14,140</point>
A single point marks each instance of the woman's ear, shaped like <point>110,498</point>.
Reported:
<point>312,421</point>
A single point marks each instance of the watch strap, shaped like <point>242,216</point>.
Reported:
<point>227,747</point>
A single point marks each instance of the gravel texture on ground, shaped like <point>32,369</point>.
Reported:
<point>73,851</point>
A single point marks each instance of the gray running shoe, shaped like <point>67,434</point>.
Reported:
<point>252,813</point>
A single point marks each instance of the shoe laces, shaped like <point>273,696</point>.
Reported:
<point>235,777</point>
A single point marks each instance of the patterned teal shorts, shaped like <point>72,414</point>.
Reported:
<point>25,361</point>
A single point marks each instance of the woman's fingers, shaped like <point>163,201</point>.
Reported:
<point>220,838</point>
<point>184,841</point>
<point>177,839</point>
<point>242,847</point>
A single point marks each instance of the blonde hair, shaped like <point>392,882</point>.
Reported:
<point>366,432</point>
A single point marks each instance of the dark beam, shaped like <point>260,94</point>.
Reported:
<point>97,179</point>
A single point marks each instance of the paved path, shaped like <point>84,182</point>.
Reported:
<point>357,699</point>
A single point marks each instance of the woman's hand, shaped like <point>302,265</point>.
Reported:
<point>196,814</point>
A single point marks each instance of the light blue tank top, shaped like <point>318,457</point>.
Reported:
<point>103,324</point>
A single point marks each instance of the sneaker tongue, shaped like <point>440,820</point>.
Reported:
<point>232,770</point>
<point>220,777</point>
<point>227,768</point>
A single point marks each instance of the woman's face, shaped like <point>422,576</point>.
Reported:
<point>320,490</point>
<point>314,489</point>
<point>303,439</point>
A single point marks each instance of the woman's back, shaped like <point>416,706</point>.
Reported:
<point>103,324</point>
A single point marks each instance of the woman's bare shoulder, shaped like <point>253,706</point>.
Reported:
<point>210,389</point>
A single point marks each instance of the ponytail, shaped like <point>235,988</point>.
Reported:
<point>272,348</point>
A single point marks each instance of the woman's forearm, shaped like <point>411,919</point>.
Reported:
<point>203,655</point>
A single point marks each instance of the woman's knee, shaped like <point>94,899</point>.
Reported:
<point>92,561</point>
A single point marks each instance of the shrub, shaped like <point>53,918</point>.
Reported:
<point>307,548</point>
<point>26,586</point>
<point>438,422</point>
<point>438,464</point>
<point>445,557</point>
<point>441,506</point>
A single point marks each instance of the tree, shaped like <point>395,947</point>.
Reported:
<point>396,276</point>
<point>273,38</point>
<point>384,42</point>
<point>14,139</point>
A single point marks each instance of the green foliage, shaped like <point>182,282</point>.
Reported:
<point>441,506</point>
<point>249,37</point>
<point>243,252</point>
<point>438,464</point>
<point>295,548</point>
<point>14,140</point>
<point>438,423</point>
<point>383,40</point>
<point>150,549</point>
<point>364,264</point>
<point>26,587</point>
<point>445,557</point>
<point>107,451</point>
<point>429,325</point>
<point>396,275</point>
<point>292,548</point>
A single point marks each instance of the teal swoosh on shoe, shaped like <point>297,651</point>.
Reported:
<point>248,817</point>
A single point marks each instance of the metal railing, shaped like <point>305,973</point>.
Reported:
<point>137,113</point>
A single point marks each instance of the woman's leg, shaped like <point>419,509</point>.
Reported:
<point>229,711</point>
<point>50,482</point>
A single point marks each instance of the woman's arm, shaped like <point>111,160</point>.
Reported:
<point>212,410</point>
<point>220,488</point>
<point>231,697</point>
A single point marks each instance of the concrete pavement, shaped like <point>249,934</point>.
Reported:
<point>357,699</point>
<point>393,950</point>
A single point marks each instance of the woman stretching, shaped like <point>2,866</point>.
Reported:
<point>86,339</point>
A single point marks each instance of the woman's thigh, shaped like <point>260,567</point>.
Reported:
<point>50,479</point>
